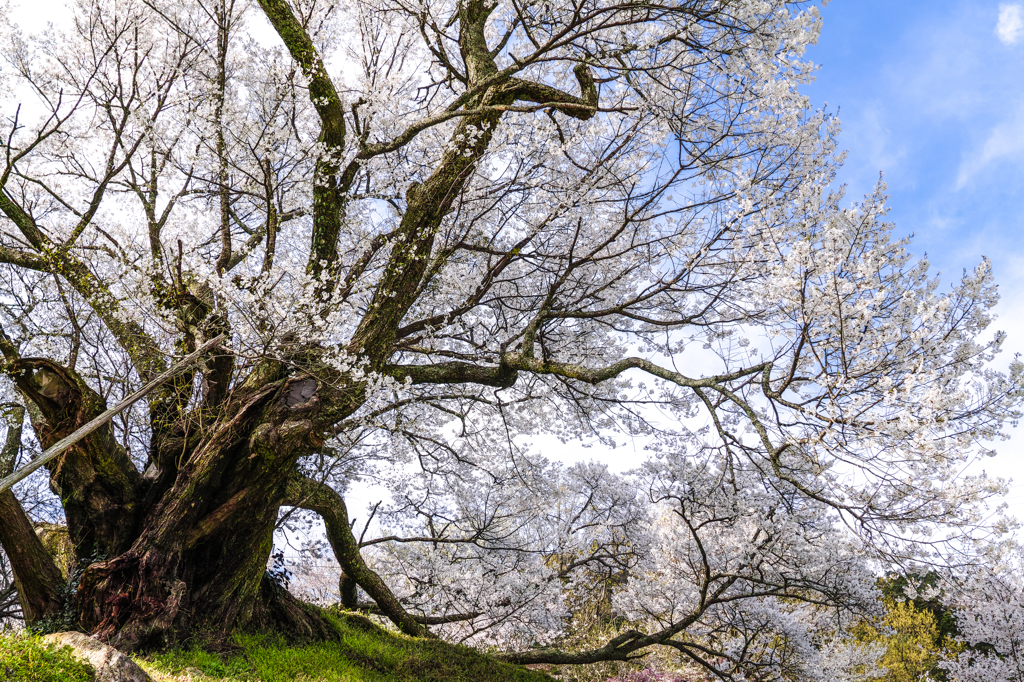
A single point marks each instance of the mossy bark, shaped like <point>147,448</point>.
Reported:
<point>36,578</point>
<point>57,541</point>
<point>199,557</point>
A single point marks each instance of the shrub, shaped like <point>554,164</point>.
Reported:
<point>648,675</point>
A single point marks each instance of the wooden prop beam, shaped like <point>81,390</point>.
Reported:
<point>64,443</point>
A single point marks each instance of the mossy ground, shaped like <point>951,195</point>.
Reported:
<point>363,652</point>
<point>26,658</point>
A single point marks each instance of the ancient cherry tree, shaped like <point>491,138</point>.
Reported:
<point>431,232</point>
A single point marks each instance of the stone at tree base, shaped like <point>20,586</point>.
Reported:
<point>111,665</point>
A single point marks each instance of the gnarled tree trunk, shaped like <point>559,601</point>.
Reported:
<point>186,546</point>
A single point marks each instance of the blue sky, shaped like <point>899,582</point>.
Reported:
<point>931,92</point>
<point>928,93</point>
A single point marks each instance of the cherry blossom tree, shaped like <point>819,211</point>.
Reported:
<point>431,232</point>
<point>989,609</point>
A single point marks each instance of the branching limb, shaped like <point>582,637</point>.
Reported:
<point>425,620</point>
<point>330,183</point>
<point>321,498</point>
<point>141,348</point>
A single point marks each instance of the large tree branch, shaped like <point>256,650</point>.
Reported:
<point>625,646</point>
<point>145,354</point>
<point>620,648</point>
<point>589,375</point>
<point>36,577</point>
<point>505,374</point>
<point>425,620</point>
<point>24,260</point>
<point>427,204</point>
<point>22,220</point>
<point>141,348</point>
<point>97,483</point>
<point>330,183</point>
<point>543,96</point>
<point>454,373</point>
<point>306,493</point>
<point>583,107</point>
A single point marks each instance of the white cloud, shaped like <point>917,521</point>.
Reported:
<point>1010,27</point>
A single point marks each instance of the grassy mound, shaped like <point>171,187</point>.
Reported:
<point>25,658</point>
<point>363,652</point>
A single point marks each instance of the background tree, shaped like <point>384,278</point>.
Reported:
<point>914,643</point>
<point>432,231</point>
<point>989,609</point>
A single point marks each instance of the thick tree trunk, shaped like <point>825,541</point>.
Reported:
<point>200,555</point>
<point>148,596</point>
<point>185,548</point>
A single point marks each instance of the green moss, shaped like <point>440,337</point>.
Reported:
<point>57,541</point>
<point>363,652</point>
<point>25,658</point>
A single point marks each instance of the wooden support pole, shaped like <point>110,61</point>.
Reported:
<point>64,443</point>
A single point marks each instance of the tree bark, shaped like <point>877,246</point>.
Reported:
<point>199,558</point>
<point>36,577</point>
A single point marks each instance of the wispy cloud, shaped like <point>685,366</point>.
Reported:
<point>867,131</point>
<point>1010,27</point>
<point>1005,141</point>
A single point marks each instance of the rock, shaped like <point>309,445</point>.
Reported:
<point>111,665</point>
